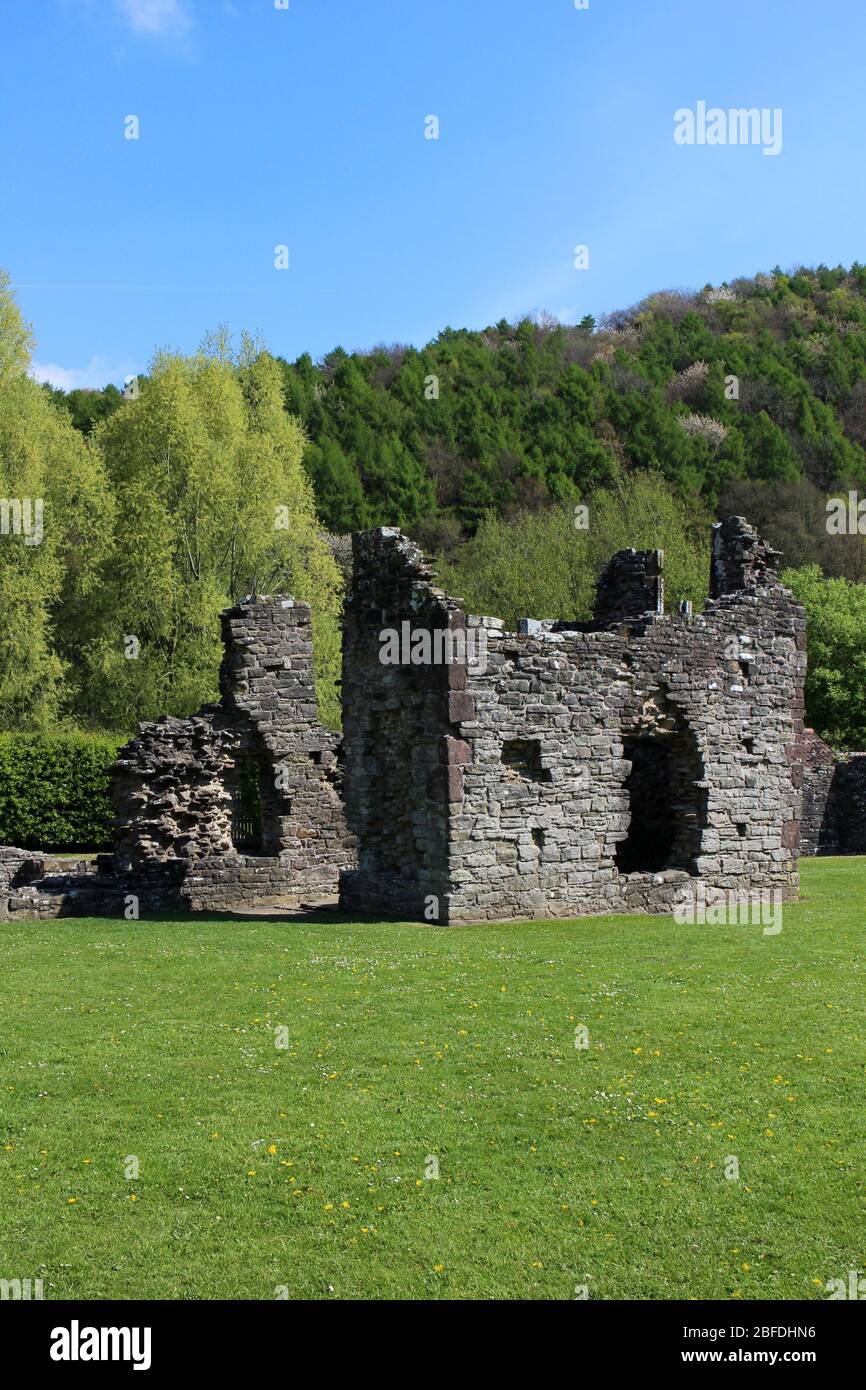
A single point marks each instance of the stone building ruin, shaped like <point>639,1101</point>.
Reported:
<point>564,769</point>
<point>235,807</point>
<point>241,803</point>
<point>834,799</point>
<point>579,767</point>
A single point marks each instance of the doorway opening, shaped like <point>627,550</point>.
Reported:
<point>247,806</point>
<point>667,803</point>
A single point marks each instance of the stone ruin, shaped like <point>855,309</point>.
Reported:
<point>565,769</point>
<point>573,768</point>
<point>235,807</point>
<point>240,804</point>
<point>834,800</point>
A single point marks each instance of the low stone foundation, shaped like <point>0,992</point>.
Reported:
<point>35,885</point>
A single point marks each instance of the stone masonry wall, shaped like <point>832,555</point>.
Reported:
<point>818,832</point>
<point>175,785</point>
<point>520,785</point>
<point>36,885</point>
<point>398,721</point>
<point>834,800</point>
<point>565,769</point>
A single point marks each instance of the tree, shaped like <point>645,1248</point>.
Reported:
<point>836,638</point>
<point>212,503</point>
<point>545,565</point>
<point>54,488</point>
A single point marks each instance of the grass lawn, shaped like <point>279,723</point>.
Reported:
<point>304,1166</point>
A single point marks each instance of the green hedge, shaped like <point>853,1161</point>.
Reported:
<point>54,790</point>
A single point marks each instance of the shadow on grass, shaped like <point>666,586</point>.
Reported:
<point>318,916</point>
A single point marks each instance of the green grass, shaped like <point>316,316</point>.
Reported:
<point>558,1166</point>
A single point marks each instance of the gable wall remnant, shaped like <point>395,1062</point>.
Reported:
<point>259,759</point>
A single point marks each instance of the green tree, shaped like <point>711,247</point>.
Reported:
<point>50,479</point>
<point>546,565</point>
<point>212,502</point>
<point>836,638</point>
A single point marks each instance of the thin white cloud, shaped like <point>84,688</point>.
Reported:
<point>157,18</point>
<point>98,372</point>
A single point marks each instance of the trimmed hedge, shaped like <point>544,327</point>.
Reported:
<point>54,790</point>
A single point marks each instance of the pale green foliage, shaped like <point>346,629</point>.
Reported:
<point>542,565</point>
<point>536,565</point>
<point>168,515</point>
<point>41,457</point>
<point>200,465</point>
<point>642,510</point>
<point>836,635</point>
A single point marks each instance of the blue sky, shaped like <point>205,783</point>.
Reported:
<point>261,127</point>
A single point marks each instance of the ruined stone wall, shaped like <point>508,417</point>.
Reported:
<point>401,761</point>
<point>834,799</point>
<point>565,769</point>
<point>848,804</point>
<point>34,885</point>
<point>630,585</point>
<point>818,832</point>
<point>535,744</point>
<point>175,786</point>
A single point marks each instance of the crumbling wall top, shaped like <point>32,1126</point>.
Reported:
<point>740,559</point>
<point>267,666</point>
<point>391,572</point>
<point>630,586</point>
